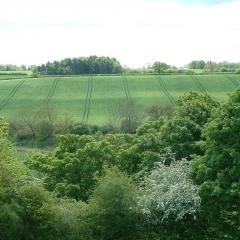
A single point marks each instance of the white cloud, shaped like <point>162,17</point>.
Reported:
<point>135,31</point>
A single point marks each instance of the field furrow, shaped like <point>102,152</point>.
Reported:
<point>5,101</point>
<point>234,81</point>
<point>89,99</point>
<point>165,90</point>
<point>52,90</point>
<point>87,102</point>
<point>130,104</point>
<point>198,84</point>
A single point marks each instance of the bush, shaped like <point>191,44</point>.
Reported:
<point>109,128</point>
<point>46,131</point>
<point>170,201</point>
<point>112,207</point>
<point>129,125</point>
<point>84,129</point>
<point>224,70</point>
<point>238,71</point>
<point>34,127</point>
<point>156,111</point>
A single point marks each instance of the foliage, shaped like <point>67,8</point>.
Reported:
<point>25,208</point>
<point>150,127</point>
<point>169,191</point>
<point>11,67</point>
<point>112,210</point>
<point>181,135</point>
<point>72,221</point>
<point>129,125</point>
<point>213,66</point>
<point>8,170</point>
<point>217,171</point>
<point>84,129</point>
<point>133,186</point>
<point>160,67</point>
<point>237,71</point>
<point>169,198</point>
<point>183,132</point>
<point>198,107</point>
<point>156,111</point>
<point>37,125</point>
<point>71,171</point>
<point>197,64</point>
<point>37,214</point>
<point>82,65</point>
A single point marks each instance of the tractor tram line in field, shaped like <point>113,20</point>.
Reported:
<point>131,111</point>
<point>165,91</point>
<point>198,84</point>
<point>11,94</point>
<point>234,82</point>
<point>87,103</point>
<point>52,90</point>
<point>112,105</point>
<point>6,79</point>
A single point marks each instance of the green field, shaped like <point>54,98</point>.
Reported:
<point>97,99</point>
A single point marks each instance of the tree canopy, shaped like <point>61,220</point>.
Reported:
<point>217,171</point>
<point>82,65</point>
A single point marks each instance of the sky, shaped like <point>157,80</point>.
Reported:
<point>136,32</point>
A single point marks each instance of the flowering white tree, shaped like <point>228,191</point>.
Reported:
<point>168,192</point>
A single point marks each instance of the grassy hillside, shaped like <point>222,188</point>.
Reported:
<point>100,99</point>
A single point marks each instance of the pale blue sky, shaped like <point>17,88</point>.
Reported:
<point>137,32</point>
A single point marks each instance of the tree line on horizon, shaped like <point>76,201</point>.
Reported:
<point>107,65</point>
<point>211,66</point>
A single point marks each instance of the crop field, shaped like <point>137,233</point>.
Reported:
<point>8,77</point>
<point>99,99</point>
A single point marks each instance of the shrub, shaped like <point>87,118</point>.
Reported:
<point>156,111</point>
<point>109,128</point>
<point>112,207</point>
<point>170,201</point>
<point>238,71</point>
<point>84,129</point>
<point>129,125</point>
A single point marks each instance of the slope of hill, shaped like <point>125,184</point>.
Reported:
<point>101,99</point>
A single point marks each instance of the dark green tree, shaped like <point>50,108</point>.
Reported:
<point>218,170</point>
<point>183,132</point>
<point>82,65</point>
<point>160,67</point>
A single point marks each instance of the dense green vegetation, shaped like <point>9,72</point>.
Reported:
<point>177,177</point>
<point>82,65</point>
<point>105,99</point>
<point>209,66</point>
<point>12,68</point>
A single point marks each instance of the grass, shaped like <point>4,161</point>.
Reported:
<point>108,95</point>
